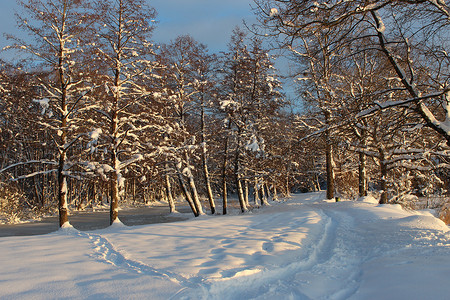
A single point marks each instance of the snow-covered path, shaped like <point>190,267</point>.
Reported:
<point>305,248</point>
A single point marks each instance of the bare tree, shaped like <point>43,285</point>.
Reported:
<point>183,64</point>
<point>409,48</point>
<point>57,26</point>
<point>205,83</point>
<point>251,99</point>
<point>417,54</point>
<point>122,46</point>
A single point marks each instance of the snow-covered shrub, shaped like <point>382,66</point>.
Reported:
<point>12,204</point>
<point>405,188</point>
<point>400,187</point>
<point>15,207</point>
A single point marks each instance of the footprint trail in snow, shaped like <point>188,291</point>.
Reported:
<point>105,251</point>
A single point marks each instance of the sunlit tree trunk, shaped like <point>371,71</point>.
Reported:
<point>362,176</point>
<point>256,192</point>
<point>224,171</point>
<point>383,177</point>
<point>237,175</point>
<point>115,173</point>
<point>169,193</point>
<point>275,193</point>
<point>329,159</point>
<point>186,193</point>
<point>246,192</point>
<point>193,189</point>
<point>205,162</point>
<point>62,181</point>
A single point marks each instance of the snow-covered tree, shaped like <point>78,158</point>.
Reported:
<point>122,46</point>
<point>235,92</point>
<point>204,83</point>
<point>57,27</point>
<point>184,67</point>
<point>250,96</point>
<point>26,149</point>
<point>414,45</point>
<point>409,49</point>
<point>317,55</point>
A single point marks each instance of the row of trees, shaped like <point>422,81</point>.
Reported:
<point>376,75</point>
<point>104,114</point>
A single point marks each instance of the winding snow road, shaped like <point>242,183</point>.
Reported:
<point>305,248</point>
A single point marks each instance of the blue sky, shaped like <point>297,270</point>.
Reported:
<point>208,21</point>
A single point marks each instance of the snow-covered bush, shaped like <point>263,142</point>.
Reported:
<point>13,204</point>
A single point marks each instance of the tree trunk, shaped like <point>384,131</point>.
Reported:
<point>62,181</point>
<point>267,191</point>
<point>37,194</point>
<point>330,171</point>
<point>256,192</point>
<point>62,191</point>
<point>246,192</point>
<point>241,195</point>
<point>92,194</point>
<point>263,194</point>
<point>169,194</point>
<point>224,197</point>
<point>329,159</point>
<point>224,173</point>
<point>134,191</point>
<point>383,179</point>
<point>362,169</point>
<point>212,205</point>
<point>362,179</point>
<point>193,188</point>
<point>196,198</point>
<point>114,184</point>
<point>287,189</point>
<point>237,175</point>
<point>114,202</point>
<point>275,193</point>
<point>186,193</point>
<point>116,173</point>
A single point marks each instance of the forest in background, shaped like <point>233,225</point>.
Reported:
<point>103,114</point>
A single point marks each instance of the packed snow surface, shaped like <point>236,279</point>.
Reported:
<point>304,248</point>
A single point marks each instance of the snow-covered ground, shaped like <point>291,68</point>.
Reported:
<point>304,248</point>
